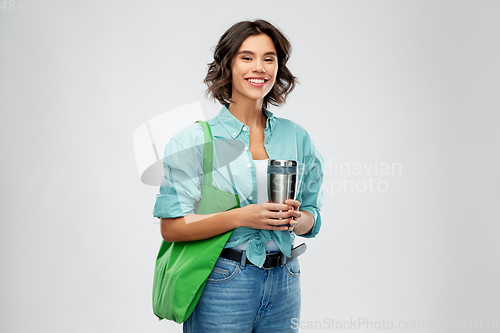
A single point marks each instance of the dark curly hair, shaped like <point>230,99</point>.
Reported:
<point>219,74</point>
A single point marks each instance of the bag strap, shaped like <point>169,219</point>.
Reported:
<point>208,153</point>
<point>208,157</point>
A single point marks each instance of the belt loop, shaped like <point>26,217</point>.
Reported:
<point>243,259</point>
<point>282,259</point>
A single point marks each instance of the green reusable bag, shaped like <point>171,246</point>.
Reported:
<point>182,268</point>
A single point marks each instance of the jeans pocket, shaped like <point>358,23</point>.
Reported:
<point>224,270</point>
<point>293,267</point>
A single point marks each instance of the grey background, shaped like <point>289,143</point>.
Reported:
<point>414,83</point>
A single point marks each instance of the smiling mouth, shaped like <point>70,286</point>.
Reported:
<point>257,81</point>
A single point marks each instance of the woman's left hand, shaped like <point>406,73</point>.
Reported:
<point>293,212</point>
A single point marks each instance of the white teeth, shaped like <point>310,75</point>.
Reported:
<point>257,80</point>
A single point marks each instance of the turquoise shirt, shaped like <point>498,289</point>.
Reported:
<point>283,139</point>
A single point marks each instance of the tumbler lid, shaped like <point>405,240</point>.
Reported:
<point>282,167</point>
<point>283,162</point>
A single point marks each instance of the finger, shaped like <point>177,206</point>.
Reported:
<point>280,215</point>
<point>275,206</point>
<point>280,227</point>
<point>294,213</point>
<point>292,202</point>
<point>283,224</point>
<point>279,222</point>
<point>273,224</point>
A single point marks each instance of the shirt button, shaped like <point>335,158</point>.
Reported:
<point>249,165</point>
<point>246,148</point>
<point>234,133</point>
<point>244,128</point>
<point>250,198</point>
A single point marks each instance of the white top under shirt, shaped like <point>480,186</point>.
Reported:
<point>261,173</point>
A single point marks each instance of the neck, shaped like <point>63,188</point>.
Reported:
<point>248,112</point>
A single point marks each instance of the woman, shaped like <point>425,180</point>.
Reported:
<point>249,289</point>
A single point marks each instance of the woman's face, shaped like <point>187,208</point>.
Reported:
<point>254,68</point>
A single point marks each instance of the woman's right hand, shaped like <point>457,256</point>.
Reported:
<point>266,216</point>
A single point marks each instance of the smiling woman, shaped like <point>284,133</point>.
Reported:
<point>219,79</point>
<point>255,283</point>
<point>254,69</point>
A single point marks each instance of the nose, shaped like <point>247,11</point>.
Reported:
<point>259,68</point>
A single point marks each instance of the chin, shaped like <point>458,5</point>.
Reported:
<point>256,97</point>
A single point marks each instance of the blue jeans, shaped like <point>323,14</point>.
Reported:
<point>244,298</point>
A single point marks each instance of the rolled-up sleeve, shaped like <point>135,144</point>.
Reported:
<point>311,196</point>
<point>180,186</point>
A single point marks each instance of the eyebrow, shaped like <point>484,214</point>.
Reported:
<point>252,53</point>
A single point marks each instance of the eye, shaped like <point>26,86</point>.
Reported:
<point>246,58</point>
<point>269,60</point>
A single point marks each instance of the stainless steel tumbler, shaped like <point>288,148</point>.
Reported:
<point>281,180</point>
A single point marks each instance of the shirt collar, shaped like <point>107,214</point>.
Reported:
<point>233,126</point>
<point>271,119</point>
